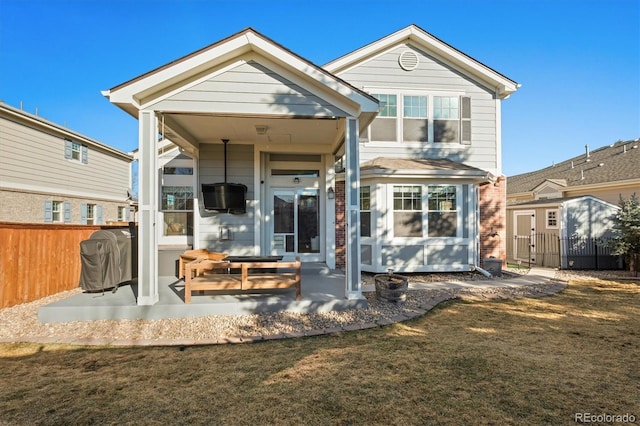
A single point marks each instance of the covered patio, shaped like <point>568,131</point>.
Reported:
<point>322,291</point>
<point>287,122</point>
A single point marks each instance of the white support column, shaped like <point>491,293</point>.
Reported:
<point>196,199</point>
<point>148,209</point>
<point>330,217</point>
<point>352,210</point>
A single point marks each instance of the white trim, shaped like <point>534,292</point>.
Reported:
<point>498,127</point>
<point>258,195</point>
<point>20,187</point>
<point>145,87</point>
<point>422,40</point>
<point>557,218</point>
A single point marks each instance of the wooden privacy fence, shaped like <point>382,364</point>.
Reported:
<point>38,260</point>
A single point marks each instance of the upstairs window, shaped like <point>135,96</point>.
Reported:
<point>415,123</point>
<point>446,114</point>
<point>384,127</point>
<point>422,118</point>
<point>76,151</point>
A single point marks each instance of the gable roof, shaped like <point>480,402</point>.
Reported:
<point>135,93</point>
<point>612,163</point>
<point>416,36</point>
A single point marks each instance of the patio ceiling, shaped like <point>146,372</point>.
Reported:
<point>190,130</point>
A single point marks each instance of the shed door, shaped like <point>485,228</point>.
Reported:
<point>524,223</point>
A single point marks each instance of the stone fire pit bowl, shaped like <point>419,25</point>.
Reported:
<point>391,287</point>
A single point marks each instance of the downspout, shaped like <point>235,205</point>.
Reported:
<point>482,271</point>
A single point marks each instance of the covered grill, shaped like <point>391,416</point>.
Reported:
<point>108,259</point>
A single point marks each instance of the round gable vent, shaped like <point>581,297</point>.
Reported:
<point>408,60</point>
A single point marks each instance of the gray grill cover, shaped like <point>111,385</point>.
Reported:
<point>106,259</point>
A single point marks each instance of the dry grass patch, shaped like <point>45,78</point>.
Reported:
<point>528,361</point>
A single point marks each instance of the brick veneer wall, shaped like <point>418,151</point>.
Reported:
<point>28,207</point>
<point>341,226</point>
<point>493,219</point>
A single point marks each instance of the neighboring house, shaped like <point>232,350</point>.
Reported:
<point>416,189</point>
<point>554,211</point>
<point>51,174</point>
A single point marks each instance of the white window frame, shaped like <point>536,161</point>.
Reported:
<point>457,210</point>
<point>425,214</point>
<point>122,213</point>
<point>556,218</point>
<point>430,95</point>
<point>392,210</point>
<point>369,210</point>
<point>57,207</point>
<point>91,214</point>
<point>76,151</point>
<point>178,180</point>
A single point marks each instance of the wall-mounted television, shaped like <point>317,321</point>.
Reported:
<point>227,197</point>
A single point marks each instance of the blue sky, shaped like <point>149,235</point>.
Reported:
<point>578,60</point>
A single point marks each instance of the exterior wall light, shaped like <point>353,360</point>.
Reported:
<point>331,193</point>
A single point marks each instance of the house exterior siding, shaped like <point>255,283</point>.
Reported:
<point>252,87</point>
<point>431,77</point>
<point>34,159</point>
<point>34,169</point>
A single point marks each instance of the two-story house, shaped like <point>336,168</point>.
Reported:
<point>52,174</point>
<point>388,157</point>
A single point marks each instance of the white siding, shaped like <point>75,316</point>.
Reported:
<point>249,88</point>
<point>239,170</point>
<point>431,75</point>
<point>33,159</point>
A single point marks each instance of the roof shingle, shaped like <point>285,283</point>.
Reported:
<point>617,162</point>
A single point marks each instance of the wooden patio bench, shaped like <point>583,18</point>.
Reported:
<point>205,274</point>
<point>191,255</point>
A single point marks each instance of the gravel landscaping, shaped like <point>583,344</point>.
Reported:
<point>20,323</point>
